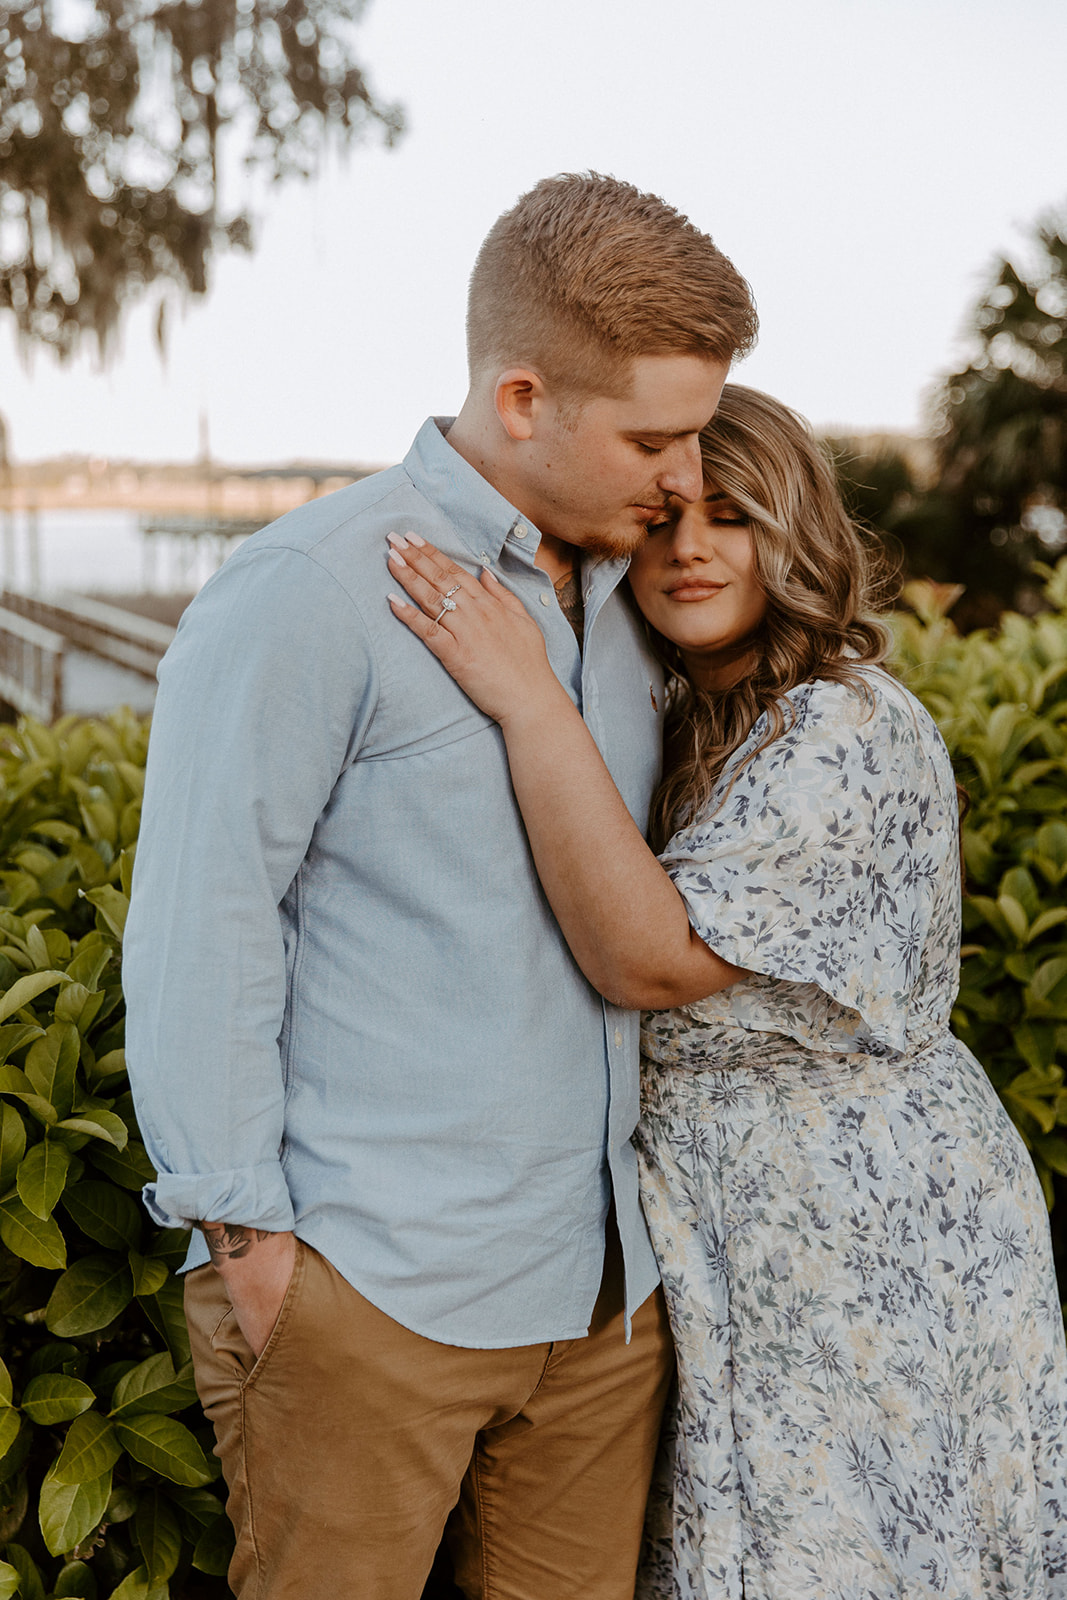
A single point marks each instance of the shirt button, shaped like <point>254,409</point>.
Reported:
<point>485,559</point>
<point>545,601</point>
<point>521,530</point>
<point>618,1038</point>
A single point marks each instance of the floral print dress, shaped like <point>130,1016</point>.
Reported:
<point>854,1247</point>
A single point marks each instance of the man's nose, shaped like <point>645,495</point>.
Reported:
<point>683,475</point>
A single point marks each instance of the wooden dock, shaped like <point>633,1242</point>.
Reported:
<point>67,652</point>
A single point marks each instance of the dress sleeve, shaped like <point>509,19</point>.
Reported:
<point>826,862</point>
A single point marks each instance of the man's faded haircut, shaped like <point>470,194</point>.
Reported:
<point>585,273</point>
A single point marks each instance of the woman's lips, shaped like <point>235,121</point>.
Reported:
<point>694,589</point>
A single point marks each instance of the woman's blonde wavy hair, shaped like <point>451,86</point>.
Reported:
<point>822,577</point>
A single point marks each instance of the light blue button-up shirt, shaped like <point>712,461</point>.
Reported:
<point>350,1009</point>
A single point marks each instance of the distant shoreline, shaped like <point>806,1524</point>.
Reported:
<point>204,490</point>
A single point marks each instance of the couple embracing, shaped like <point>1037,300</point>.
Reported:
<point>781,1299</point>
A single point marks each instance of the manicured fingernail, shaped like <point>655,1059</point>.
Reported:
<point>397,600</point>
<point>396,559</point>
<point>414,539</point>
<point>397,540</point>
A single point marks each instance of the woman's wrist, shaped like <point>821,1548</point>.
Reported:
<point>540,709</point>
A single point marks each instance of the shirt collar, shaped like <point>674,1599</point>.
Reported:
<point>481,516</point>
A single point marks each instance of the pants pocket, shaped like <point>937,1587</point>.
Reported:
<point>230,1344</point>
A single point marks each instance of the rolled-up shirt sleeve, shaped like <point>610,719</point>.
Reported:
<point>264,698</point>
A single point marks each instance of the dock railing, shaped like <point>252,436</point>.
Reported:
<point>137,643</point>
<point>31,666</point>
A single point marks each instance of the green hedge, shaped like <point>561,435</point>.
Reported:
<point>107,1484</point>
<point>1000,701</point>
<point>108,1489</point>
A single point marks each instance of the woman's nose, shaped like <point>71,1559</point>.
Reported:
<point>691,539</point>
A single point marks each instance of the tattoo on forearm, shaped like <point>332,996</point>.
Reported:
<point>569,594</point>
<point>229,1241</point>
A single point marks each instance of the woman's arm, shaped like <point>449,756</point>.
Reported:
<point>621,915</point>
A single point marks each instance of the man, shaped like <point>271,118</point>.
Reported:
<point>366,1066</point>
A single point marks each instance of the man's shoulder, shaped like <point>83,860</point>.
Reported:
<point>323,527</point>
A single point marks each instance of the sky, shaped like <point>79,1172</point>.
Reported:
<point>863,162</point>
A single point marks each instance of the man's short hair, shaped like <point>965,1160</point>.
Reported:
<point>585,273</point>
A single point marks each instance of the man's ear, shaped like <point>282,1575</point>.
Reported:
<point>519,396</point>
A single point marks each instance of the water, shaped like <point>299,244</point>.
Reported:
<point>100,551</point>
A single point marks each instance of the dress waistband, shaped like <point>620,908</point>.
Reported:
<point>754,1068</point>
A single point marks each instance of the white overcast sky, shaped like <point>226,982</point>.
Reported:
<point>862,161</point>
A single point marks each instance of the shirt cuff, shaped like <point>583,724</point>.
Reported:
<point>255,1197</point>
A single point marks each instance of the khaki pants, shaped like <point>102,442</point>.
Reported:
<point>351,1440</point>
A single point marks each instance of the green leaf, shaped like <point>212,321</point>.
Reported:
<point>1042,1113</point>
<point>129,1168</point>
<point>76,1004</point>
<point>31,1239</point>
<point>214,1548</point>
<point>156,1529</point>
<point>154,1385</point>
<point>166,1312</point>
<point>1014,916</point>
<point>148,1276</point>
<point>166,1446</point>
<point>13,1081</point>
<point>9,1581</point>
<point>57,1355</point>
<point>199,1509</point>
<point>10,1423</point>
<point>1047,991</point>
<point>89,1450</point>
<point>15,1493</point>
<point>89,960</point>
<point>35,944</point>
<point>1050,850</point>
<point>70,1512</point>
<point>13,1035</point>
<point>42,1176</point>
<point>28,988</point>
<point>135,1586</point>
<point>30,1585</point>
<point>99,1125</point>
<point>51,1064</point>
<point>1052,1150</point>
<point>104,1213</point>
<point>54,1397</point>
<point>110,1065</point>
<point>112,905</point>
<point>978,855</point>
<point>1036,1043</point>
<point>65,832</point>
<point>122,1505</point>
<point>172,1246</point>
<point>12,1144</point>
<point>1018,883</point>
<point>7,1388</point>
<point>1047,919</point>
<point>88,1296</point>
<point>76,1582</point>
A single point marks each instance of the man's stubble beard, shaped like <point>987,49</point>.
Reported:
<point>612,546</point>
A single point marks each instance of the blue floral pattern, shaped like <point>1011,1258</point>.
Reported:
<point>854,1247</point>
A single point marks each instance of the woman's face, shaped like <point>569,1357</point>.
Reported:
<point>694,578</point>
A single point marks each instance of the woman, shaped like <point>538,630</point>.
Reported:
<point>853,1244</point>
